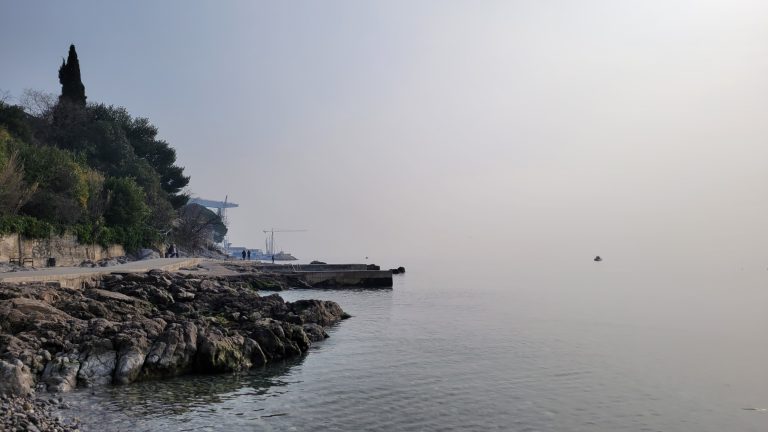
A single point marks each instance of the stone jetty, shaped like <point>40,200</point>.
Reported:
<point>331,276</point>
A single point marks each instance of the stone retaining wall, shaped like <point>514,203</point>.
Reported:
<point>65,249</point>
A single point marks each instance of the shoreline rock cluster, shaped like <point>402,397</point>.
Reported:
<point>25,413</point>
<point>106,262</point>
<point>132,327</point>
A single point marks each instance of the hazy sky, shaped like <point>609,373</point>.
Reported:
<point>526,131</point>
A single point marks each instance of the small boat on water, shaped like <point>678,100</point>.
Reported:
<point>598,259</point>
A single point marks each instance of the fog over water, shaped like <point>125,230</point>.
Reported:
<point>546,130</point>
<point>598,348</point>
<point>492,148</point>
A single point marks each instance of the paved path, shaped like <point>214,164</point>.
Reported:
<point>70,276</point>
<point>211,267</point>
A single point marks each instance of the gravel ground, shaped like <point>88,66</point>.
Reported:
<point>27,413</point>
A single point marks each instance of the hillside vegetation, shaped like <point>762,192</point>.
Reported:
<point>86,168</point>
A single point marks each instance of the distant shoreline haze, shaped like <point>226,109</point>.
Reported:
<point>400,130</point>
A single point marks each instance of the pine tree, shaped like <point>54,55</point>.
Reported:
<point>72,88</point>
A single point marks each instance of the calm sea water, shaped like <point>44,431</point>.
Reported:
<point>454,347</point>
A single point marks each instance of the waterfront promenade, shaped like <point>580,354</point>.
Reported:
<point>73,276</point>
<point>319,276</point>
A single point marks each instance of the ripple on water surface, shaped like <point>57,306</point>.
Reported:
<point>429,357</point>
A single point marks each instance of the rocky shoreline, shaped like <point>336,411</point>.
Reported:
<point>26,413</point>
<point>132,327</point>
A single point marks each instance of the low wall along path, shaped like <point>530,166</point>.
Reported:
<point>64,249</point>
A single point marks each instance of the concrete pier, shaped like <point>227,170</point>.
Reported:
<point>347,278</point>
<point>283,268</point>
<point>333,275</point>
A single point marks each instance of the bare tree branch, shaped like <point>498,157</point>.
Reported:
<point>38,103</point>
<point>5,96</point>
<point>196,227</point>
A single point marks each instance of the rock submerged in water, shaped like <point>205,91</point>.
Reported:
<point>144,326</point>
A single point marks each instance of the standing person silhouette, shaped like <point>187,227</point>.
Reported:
<point>249,254</point>
<point>243,254</point>
<point>273,259</point>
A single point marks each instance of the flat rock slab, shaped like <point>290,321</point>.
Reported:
<point>110,295</point>
<point>28,305</point>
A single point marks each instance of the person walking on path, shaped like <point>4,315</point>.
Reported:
<point>172,252</point>
<point>273,259</point>
<point>249,254</point>
<point>243,254</point>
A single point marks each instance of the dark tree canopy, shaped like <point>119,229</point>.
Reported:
<point>142,137</point>
<point>16,121</point>
<point>89,169</point>
<point>72,88</point>
<point>126,205</point>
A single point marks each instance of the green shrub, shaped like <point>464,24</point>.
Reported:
<point>63,189</point>
<point>127,203</point>
<point>131,238</point>
<point>56,170</point>
<point>26,226</point>
<point>84,233</point>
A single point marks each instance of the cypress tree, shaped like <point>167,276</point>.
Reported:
<point>72,88</point>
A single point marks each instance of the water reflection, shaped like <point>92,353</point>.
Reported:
<point>594,353</point>
<point>186,399</point>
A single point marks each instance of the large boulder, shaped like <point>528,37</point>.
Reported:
<point>314,332</point>
<point>220,353</point>
<point>172,353</point>
<point>298,339</point>
<point>28,312</point>
<point>60,374</point>
<point>279,339</point>
<point>253,350</point>
<point>15,378</point>
<point>97,364</point>
<point>321,312</point>
<point>159,296</point>
<point>270,336</point>
<point>132,350</point>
